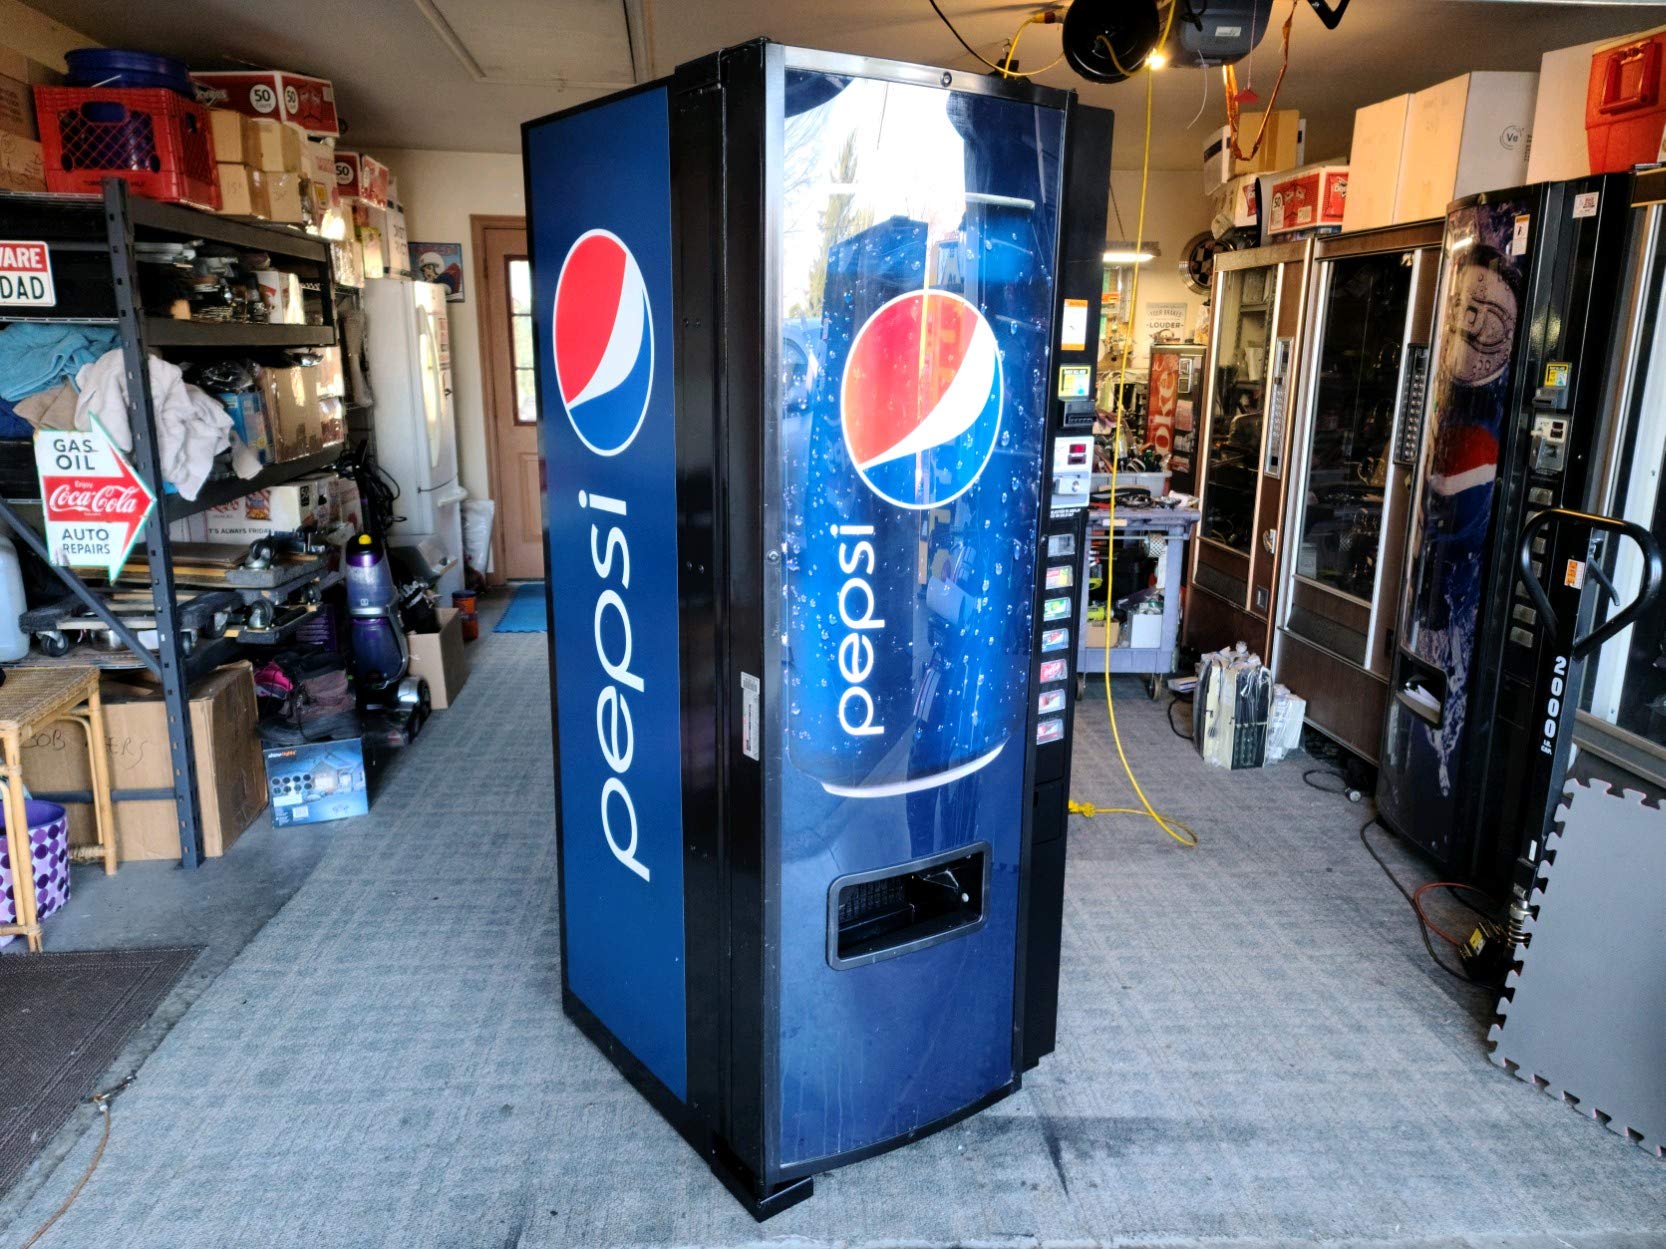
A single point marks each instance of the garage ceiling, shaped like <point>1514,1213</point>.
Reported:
<point>462,74</point>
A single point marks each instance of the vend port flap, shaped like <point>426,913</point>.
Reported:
<point>894,910</point>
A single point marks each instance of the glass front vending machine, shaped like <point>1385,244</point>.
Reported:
<point>1353,451</point>
<point>816,344</point>
<point>1254,349</point>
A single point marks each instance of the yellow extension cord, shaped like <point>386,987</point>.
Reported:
<point>1173,827</point>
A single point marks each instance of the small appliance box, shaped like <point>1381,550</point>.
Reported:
<point>440,658</point>
<point>362,178</point>
<point>308,102</point>
<point>1237,206</point>
<point>318,782</point>
<point>1281,148</point>
<point>277,509</point>
<point>1469,134</point>
<point>1305,199</point>
<point>248,418</point>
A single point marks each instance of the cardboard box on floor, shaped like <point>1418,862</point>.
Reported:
<point>231,770</point>
<point>440,657</point>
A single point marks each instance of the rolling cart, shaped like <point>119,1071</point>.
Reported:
<point>1173,525</point>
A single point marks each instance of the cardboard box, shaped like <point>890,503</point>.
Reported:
<point>229,129</point>
<point>1281,148</point>
<point>347,259</point>
<point>331,380</point>
<point>362,178</point>
<point>441,659</point>
<point>1561,142</point>
<point>1465,135</point>
<point>318,782</point>
<point>236,190</point>
<point>1237,206</point>
<point>231,777</point>
<point>290,396</point>
<point>1374,163</point>
<point>272,146</point>
<point>308,102</point>
<point>396,256</point>
<point>371,227</point>
<point>318,172</point>
<point>293,506</point>
<point>22,164</point>
<point>17,108</point>
<point>1304,199</point>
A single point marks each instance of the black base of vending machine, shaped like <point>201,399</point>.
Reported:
<point>815,339</point>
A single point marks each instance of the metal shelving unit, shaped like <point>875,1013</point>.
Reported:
<point>95,271</point>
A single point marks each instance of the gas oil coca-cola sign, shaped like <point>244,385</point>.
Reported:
<point>95,504</point>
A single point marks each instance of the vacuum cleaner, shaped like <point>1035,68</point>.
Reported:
<point>393,703</point>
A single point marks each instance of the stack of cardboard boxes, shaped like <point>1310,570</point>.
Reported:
<point>1415,154</point>
<point>1272,195</point>
<point>274,140</point>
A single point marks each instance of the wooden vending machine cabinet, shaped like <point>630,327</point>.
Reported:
<point>1243,443</point>
<point>1354,445</point>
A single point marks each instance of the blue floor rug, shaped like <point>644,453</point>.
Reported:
<point>525,613</point>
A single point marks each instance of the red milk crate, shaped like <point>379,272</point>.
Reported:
<point>155,138</point>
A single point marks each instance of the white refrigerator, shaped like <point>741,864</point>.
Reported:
<point>408,343</point>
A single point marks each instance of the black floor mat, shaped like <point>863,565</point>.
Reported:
<point>66,1018</point>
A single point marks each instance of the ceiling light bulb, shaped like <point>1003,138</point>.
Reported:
<point>1156,60</point>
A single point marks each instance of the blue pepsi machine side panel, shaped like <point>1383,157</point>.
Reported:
<point>918,230</point>
<point>600,216</point>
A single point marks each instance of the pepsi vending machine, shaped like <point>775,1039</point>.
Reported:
<point>814,464</point>
<point>1525,325</point>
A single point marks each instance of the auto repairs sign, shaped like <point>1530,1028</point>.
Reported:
<point>95,504</point>
<point>26,275</point>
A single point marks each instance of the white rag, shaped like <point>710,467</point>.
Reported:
<point>191,426</point>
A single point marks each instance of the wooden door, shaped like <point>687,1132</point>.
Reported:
<point>511,396</point>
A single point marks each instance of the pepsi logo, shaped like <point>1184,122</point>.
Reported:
<point>921,399</point>
<point>604,342</point>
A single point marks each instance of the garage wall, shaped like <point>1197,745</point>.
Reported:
<point>1175,211</point>
<point>441,190</point>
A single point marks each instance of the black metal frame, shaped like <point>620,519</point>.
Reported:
<point>70,224</point>
<point>726,119</point>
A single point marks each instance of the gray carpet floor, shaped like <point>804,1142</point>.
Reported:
<point>1254,1050</point>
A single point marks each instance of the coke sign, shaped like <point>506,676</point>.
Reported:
<point>94,503</point>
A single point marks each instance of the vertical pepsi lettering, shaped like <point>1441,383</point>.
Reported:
<point>855,650</point>
<point>613,716</point>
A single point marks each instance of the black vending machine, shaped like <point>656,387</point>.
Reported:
<point>1525,326</point>
<point>815,371</point>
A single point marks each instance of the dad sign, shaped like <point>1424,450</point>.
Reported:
<point>26,274</point>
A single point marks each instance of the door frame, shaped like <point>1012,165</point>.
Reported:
<point>491,335</point>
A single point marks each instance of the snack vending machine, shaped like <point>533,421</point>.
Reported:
<point>815,415</point>
<point>1521,376</point>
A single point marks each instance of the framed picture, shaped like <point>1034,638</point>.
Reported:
<point>442,263</point>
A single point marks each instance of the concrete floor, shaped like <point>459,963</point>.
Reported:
<point>1254,1050</point>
